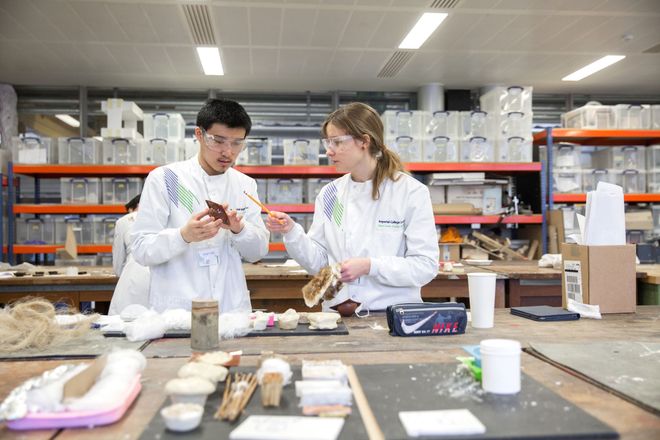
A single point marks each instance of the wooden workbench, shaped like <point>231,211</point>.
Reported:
<point>367,346</point>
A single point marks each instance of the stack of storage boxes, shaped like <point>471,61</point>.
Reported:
<point>163,141</point>
<point>257,152</point>
<point>32,149</point>
<point>440,136</point>
<point>301,151</point>
<point>510,110</point>
<point>403,133</point>
<point>594,115</point>
<point>566,169</point>
<point>51,229</point>
<point>78,150</point>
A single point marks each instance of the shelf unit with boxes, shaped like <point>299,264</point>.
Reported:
<point>629,158</point>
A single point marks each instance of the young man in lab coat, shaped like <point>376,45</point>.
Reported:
<point>190,254</point>
<point>376,221</point>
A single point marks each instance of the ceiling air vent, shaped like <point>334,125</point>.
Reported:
<point>654,49</point>
<point>395,64</point>
<point>444,4</point>
<point>199,23</point>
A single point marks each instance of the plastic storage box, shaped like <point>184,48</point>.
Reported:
<point>653,157</point>
<point>285,191</point>
<point>477,149</point>
<point>592,115</point>
<point>82,260</point>
<point>33,150</point>
<point>120,151</point>
<point>301,151</point>
<point>80,190</point>
<point>631,116</point>
<point>257,151</point>
<point>478,124</point>
<point>516,124</point>
<point>566,157</point>
<point>440,149</point>
<point>104,260</point>
<point>591,177</point>
<point>441,123</point>
<point>632,181</point>
<point>514,149</point>
<point>262,190</point>
<point>164,126</point>
<point>160,151</point>
<point>507,99</point>
<point>83,229</point>
<point>35,230</point>
<point>313,187</point>
<point>567,181</point>
<point>620,158</point>
<point>78,150</point>
<point>654,117</point>
<point>408,148</point>
<point>104,229</point>
<point>190,149</point>
<point>120,190</point>
<point>403,123</point>
<point>653,181</point>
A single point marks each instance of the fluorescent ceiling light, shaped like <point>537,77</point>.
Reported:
<point>210,59</point>
<point>593,67</point>
<point>422,30</point>
<point>68,120</point>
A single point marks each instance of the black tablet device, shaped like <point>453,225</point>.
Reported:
<point>545,313</point>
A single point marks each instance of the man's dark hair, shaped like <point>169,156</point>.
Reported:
<point>133,203</point>
<point>223,111</point>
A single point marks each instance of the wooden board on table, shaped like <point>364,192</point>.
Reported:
<point>91,346</point>
<point>534,413</point>
<point>213,429</point>
<point>628,369</point>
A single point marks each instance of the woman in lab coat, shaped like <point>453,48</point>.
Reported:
<point>376,221</point>
<point>133,284</point>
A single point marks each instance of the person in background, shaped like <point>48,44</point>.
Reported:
<point>133,284</point>
<point>376,221</point>
<point>192,255</point>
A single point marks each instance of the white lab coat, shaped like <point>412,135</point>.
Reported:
<point>180,271</point>
<point>133,284</point>
<point>397,232</point>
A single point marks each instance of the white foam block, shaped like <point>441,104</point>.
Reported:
<point>288,428</point>
<point>441,422</point>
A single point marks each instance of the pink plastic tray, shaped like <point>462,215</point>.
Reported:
<point>77,419</point>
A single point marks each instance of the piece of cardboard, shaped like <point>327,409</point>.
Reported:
<point>70,250</point>
<point>639,220</point>
<point>450,251</point>
<point>600,275</point>
<point>456,209</point>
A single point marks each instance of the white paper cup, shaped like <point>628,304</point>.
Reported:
<point>481,286</point>
<point>500,366</point>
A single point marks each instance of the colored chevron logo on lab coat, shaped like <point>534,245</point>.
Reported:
<point>332,206</point>
<point>178,193</point>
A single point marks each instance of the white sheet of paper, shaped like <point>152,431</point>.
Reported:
<point>605,221</point>
<point>288,263</point>
<point>288,428</point>
<point>441,422</point>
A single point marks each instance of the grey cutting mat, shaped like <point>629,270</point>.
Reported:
<point>301,330</point>
<point>629,369</point>
<point>89,347</point>
<point>534,413</point>
<point>212,429</point>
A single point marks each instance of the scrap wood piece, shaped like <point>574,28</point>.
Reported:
<point>370,423</point>
<point>236,396</point>
<point>498,246</point>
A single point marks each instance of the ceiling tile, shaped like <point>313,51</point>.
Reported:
<point>236,62</point>
<point>63,17</point>
<point>99,57</point>
<point>298,27</point>
<point>168,22</point>
<point>264,62</point>
<point>134,22</point>
<point>32,20</point>
<point>342,62</point>
<point>329,26</point>
<point>10,28</point>
<point>361,26</point>
<point>393,29</point>
<point>156,59</point>
<point>99,19</point>
<point>184,60</point>
<point>231,25</point>
<point>265,26</point>
<point>127,57</point>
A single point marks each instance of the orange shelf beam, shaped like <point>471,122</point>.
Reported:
<point>289,170</point>
<point>582,198</point>
<point>52,248</point>
<point>486,219</point>
<point>473,166</point>
<point>83,170</point>
<point>68,209</point>
<point>599,137</point>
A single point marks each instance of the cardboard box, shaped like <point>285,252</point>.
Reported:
<point>488,198</point>
<point>639,220</point>
<point>600,275</point>
<point>450,252</point>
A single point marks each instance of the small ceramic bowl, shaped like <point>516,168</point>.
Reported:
<point>182,417</point>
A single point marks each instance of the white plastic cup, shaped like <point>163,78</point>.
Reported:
<point>71,271</point>
<point>500,366</point>
<point>481,286</point>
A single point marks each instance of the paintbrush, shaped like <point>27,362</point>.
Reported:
<point>268,211</point>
